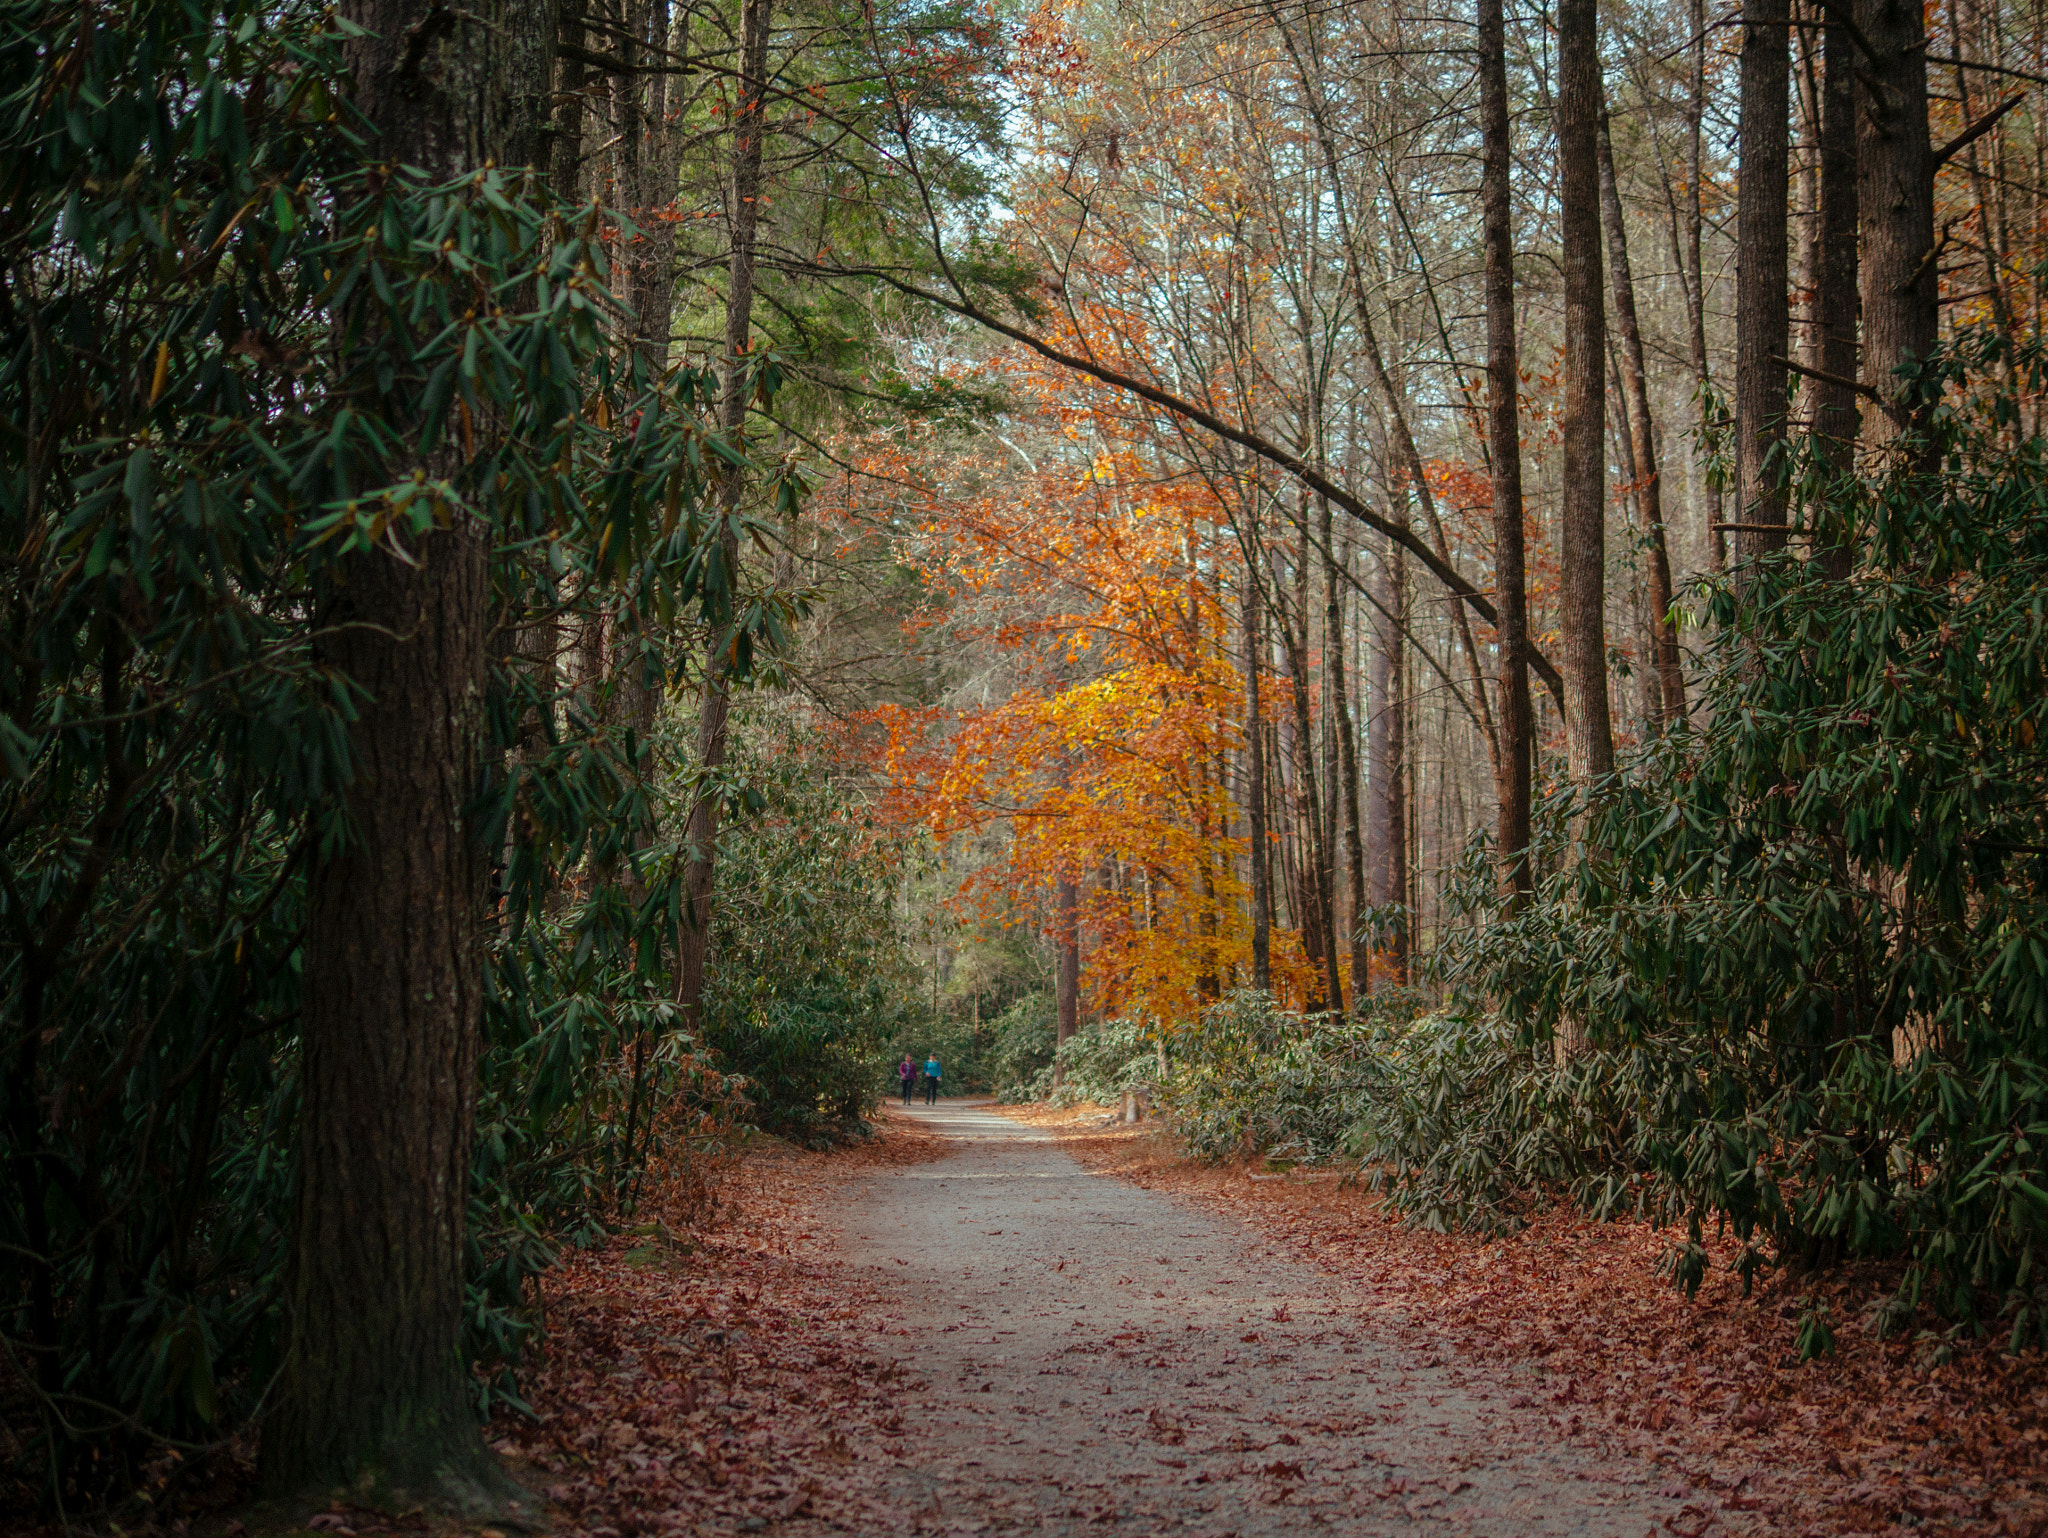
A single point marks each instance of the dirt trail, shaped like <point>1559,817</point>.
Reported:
<point>1096,1353</point>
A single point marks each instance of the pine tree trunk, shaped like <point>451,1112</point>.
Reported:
<point>566,160</point>
<point>373,1392</point>
<point>701,831</point>
<point>1762,325</point>
<point>1642,443</point>
<point>528,30</point>
<point>1835,426</point>
<point>1895,188</point>
<point>1589,734</point>
<point>1504,443</point>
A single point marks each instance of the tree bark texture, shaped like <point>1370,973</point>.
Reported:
<point>527,51</point>
<point>1346,766</point>
<point>701,833</point>
<point>1386,833</point>
<point>1833,400</point>
<point>1642,443</point>
<point>1895,188</point>
<point>1762,277</point>
<point>1504,444</point>
<point>1067,981</point>
<point>1317,873</point>
<point>1255,775</point>
<point>1582,534</point>
<point>569,106</point>
<point>654,268</point>
<point>374,1392</point>
<point>1691,267</point>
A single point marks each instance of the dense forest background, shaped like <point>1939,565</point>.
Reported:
<point>1457,591</point>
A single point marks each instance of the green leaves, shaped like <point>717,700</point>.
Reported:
<point>1802,936</point>
<point>235,360</point>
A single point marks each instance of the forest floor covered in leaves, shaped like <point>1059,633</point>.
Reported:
<point>971,1324</point>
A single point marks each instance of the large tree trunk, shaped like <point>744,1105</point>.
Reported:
<point>528,30</point>
<point>1386,831</point>
<point>701,832</point>
<point>1762,322</point>
<point>1504,444</point>
<point>1895,185</point>
<point>1833,399</point>
<point>1642,442</point>
<point>373,1392</point>
<point>566,162</point>
<point>1589,733</point>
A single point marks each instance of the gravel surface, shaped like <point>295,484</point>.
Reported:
<point>1097,1357</point>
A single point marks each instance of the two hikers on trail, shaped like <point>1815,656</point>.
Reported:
<point>908,1072</point>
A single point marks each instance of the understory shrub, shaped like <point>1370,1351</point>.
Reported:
<point>1101,1061</point>
<point>1806,933</point>
<point>1247,1077</point>
<point>808,977</point>
<point>1024,1037</point>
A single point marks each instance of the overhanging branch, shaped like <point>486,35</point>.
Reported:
<point>1264,447</point>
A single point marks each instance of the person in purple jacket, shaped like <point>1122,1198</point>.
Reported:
<point>907,1072</point>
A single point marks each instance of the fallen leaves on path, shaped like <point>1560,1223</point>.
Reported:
<point>725,1382</point>
<point>1884,1436</point>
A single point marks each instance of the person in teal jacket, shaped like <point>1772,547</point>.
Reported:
<point>931,1079</point>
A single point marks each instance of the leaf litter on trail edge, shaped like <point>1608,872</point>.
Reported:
<point>1881,1436</point>
<point>733,1389</point>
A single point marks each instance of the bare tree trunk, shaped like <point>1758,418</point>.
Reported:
<point>1386,832</point>
<point>1321,823</point>
<point>1390,394</point>
<point>1504,443</point>
<point>1314,872</point>
<point>528,30</point>
<point>569,104</point>
<point>1067,984</point>
<point>1895,189</point>
<point>1990,242</point>
<point>653,195</point>
<point>700,870</point>
<point>1762,327</point>
<point>1334,668</point>
<point>1589,733</point>
<point>1255,774</point>
<point>1690,265</point>
<point>373,1392</point>
<point>1642,442</point>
